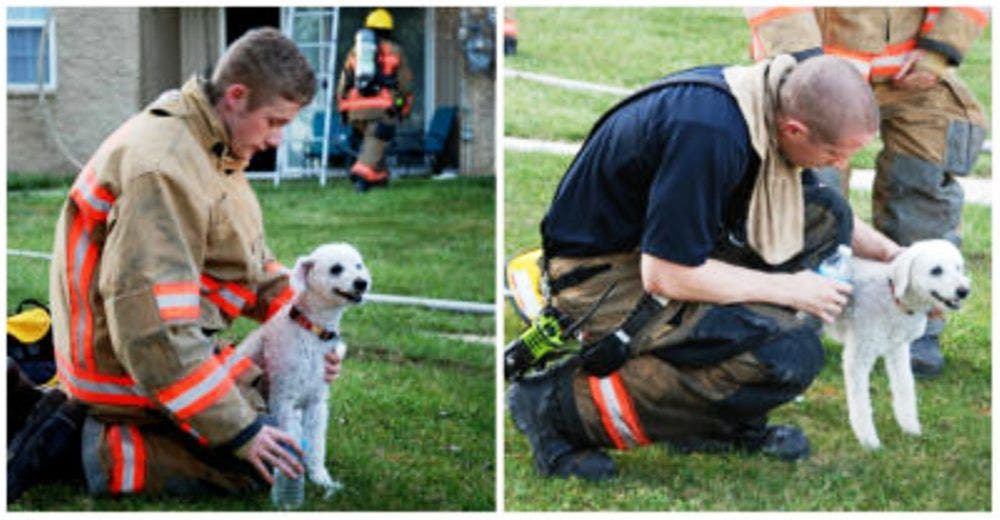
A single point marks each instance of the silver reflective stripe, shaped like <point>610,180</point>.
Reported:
<point>167,301</point>
<point>885,61</point>
<point>201,389</point>
<point>79,254</point>
<point>622,336</point>
<point>100,388</point>
<point>128,459</point>
<point>100,205</point>
<point>615,411</point>
<point>231,297</point>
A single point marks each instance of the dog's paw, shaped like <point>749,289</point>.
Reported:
<point>323,479</point>
<point>911,429</point>
<point>870,443</point>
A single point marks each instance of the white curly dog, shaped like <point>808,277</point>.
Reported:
<point>888,310</point>
<point>290,347</point>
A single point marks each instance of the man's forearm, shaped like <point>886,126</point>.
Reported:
<point>714,282</point>
<point>867,242</point>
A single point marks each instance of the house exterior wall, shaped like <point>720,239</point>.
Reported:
<point>475,94</point>
<point>97,88</point>
<point>160,47</point>
<point>106,76</point>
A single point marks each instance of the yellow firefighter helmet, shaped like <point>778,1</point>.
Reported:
<point>379,19</point>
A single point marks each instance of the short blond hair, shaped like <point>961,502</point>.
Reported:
<point>269,64</point>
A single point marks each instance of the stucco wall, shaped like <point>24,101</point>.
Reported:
<point>98,88</point>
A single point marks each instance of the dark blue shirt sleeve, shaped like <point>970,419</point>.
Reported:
<point>699,168</point>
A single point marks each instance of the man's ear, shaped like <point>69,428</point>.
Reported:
<point>236,96</point>
<point>791,127</point>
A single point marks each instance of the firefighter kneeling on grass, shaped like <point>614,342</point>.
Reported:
<point>160,246</point>
<point>689,203</point>
<point>374,95</point>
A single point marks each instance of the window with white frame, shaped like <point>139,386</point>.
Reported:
<point>24,29</point>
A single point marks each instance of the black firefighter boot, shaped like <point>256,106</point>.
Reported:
<point>925,352</point>
<point>48,447</point>
<point>534,405</point>
<point>22,396</point>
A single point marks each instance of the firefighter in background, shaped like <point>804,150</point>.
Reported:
<point>374,95</point>
<point>932,127</point>
<point>509,32</point>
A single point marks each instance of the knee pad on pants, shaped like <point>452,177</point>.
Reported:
<point>794,358</point>
<point>917,200</point>
<point>964,142</point>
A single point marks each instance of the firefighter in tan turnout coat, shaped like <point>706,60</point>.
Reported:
<point>159,246</point>
<point>932,126</point>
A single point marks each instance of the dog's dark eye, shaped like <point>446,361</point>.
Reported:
<point>937,271</point>
<point>358,267</point>
<point>336,269</point>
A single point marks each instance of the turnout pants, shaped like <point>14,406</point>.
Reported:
<point>698,371</point>
<point>376,134</point>
<point>153,456</point>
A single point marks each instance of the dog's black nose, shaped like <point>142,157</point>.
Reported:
<point>360,285</point>
<point>962,292</point>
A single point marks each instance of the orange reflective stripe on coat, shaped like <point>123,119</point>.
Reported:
<point>979,15</point>
<point>510,27</point>
<point>617,411</point>
<point>231,297</point>
<point>930,20</point>
<point>203,386</point>
<point>128,459</point>
<point>187,428</point>
<point>93,204</point>
<point>886,63</point>
<point>91,199</point>
<point>178,301</point>
<point>279,301</point>
<point>92,387</point>
<point>355,101</point>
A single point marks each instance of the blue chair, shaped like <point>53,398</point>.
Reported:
<point>438,135</point>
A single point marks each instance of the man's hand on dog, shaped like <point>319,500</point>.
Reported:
<point>331,366</point>
<point>265,451</point>
<point>818,295</point>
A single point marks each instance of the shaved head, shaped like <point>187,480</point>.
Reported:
<point>831,98</point>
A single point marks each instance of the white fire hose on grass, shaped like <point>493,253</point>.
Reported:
<point>430,303</point>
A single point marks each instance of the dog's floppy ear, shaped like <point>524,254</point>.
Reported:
<point>900,274</point>
<point>300,274</point>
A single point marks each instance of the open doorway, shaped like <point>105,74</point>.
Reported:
<point>238,20</point>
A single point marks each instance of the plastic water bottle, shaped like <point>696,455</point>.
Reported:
<point>837,265</point>
<point>288,494</point>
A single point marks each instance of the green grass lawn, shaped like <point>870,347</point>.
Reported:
<point>634,46</point>
<point>948,468</point>
<point>412,417</point>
